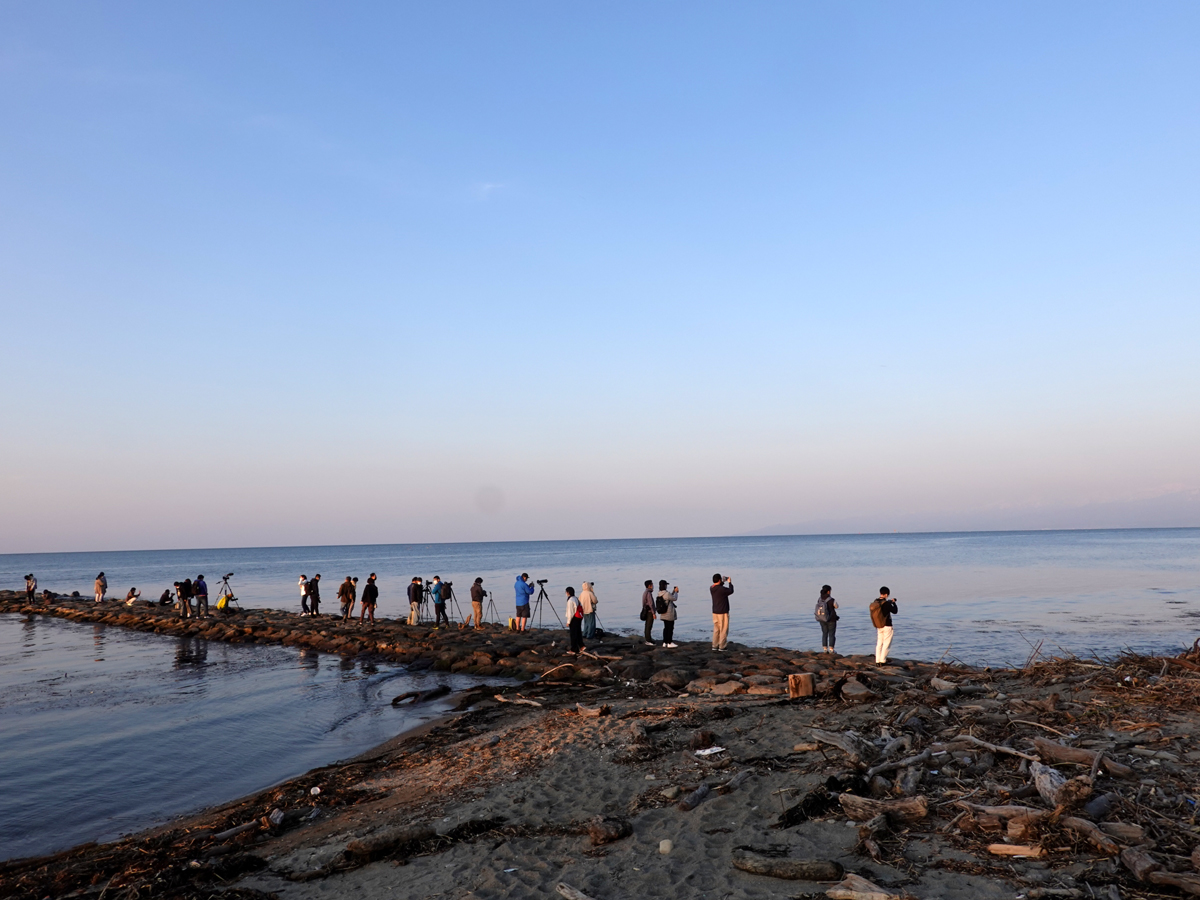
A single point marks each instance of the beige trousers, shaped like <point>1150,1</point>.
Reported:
<point>477,610</point>
<point>720,630</point>
<point>883,643</point>
<point>412,613</point>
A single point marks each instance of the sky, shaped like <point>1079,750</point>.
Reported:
<point>325,273</point>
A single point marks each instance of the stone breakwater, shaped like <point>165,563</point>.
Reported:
<point>495,651</point>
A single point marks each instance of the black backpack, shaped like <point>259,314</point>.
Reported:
<point>660,605</point>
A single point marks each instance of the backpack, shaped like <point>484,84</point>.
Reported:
<point>822,611</point>
<point>660,605</point>
<point>878,617</point>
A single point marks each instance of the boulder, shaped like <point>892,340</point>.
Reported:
<point>728,688</point>
<point>675,677</point>
<point>856,692</point>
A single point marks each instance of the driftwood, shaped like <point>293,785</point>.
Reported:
<point>861,809</point>
<point>1058,790</point>
<point>1022,829</point>
<point>571,893</point>
<point>520,700</point>
<point>801,685</point>
<point>694,799</point>
<point>995,748</point>
<point>860,751</point>
<point>855,887</point>
<point>1051,750</point>
<point>1086,829</point>
<point>1127,833</point>
<point>236,830</point>
<point>598,711</point>
<point>606,829</point>
<point>1146,868</point>
<point>735,782</point>
<point>1002,812</point>
<point>791,869</point>
<point>422,696</point>
<point>922,757</point>
<point>1014,850</point>
<point>387,840</point>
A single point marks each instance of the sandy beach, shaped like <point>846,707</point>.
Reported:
<point>904,774</point>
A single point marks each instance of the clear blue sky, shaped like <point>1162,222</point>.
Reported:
<point>278,273</point>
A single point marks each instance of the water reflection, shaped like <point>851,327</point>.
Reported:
<point>191,652</point>
<point>99,633</point>
<point>28,637</point>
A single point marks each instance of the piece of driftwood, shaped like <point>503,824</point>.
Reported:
<point>1088,830</point>
<point>521,700</point>
<point>571,893</point>
<point>593,713</point>
<point>908,782</point>
<point>995,748</point>
<point>1004,812</point>
<point>387,840</point>
<point>898,746</point>
<point>1139,863</point>
<point>606,829</point>
<point>1022,829</point>
<point>1189,883</point>
<point>922,757</point>
<point>236,830</point>
<point>735,782</point>
<point>855,887</point>
<point>860,751</point>
<point>1054,751</point>
<point>694,799</point>
<point>1014,850</point>
<point>803,684</point>
<point>790,869</point>
<point>861,809</point>
<point>1058,790</point>
<point>422,696</point>
<point>1126,832</point>
<point>1196,859</point>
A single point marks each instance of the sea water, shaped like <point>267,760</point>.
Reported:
<point>104,730</point>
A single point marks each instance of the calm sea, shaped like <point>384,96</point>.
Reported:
<point>106,731</point>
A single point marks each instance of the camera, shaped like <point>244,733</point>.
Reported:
<point>448,583</point>
<point>427,581</point>
<point>543,580</point>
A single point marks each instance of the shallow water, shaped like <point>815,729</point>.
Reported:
<point>107,731</point>
<point>980,597</point>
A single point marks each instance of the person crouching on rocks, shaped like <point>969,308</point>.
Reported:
<point>587,601</point>
<point>665,605</point>
<point>574,621</point>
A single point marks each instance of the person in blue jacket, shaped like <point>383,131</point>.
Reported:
<point>524,591</point>
<point>440,594</point>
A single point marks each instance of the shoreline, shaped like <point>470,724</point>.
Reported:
<point>496,798</point>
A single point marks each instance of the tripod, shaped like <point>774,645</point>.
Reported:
<point>537,605</point>
<point>492,613</point>
<point>423,608</point>
<point>446,585</point>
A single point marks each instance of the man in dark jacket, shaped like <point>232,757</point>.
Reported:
<point>314,595</point>
<point>415,592</point>
<point>369,598</point>
<point>648,615</point>
<point>346,598</point>
<point>883,625</point>
<point>477,595</point>
<point>200,592</point>
<point>720,590</point>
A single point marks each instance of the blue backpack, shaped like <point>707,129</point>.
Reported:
<point>822,611</point>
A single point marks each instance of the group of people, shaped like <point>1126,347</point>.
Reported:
<point>347,595</point>
<point>882,608</point>
<point>186,592</point>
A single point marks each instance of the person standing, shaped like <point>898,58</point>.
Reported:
<point>370,597</point>
<point>440,594</point>
<point>304,595</point>
<point>574,622</point>
<point>415,591</point>
<point>827,617</point>
<point>346,598</point>
<point>101,587</point>
<point>587,601</point>
<point>30,587</point>
<point>648,615</point>
<point>882,608</point>
<point>200,591</point>
<point>720,590</point>
<point>183,591</point>
<point>477,595</point>
<point>667,612</point>
<point>524,590</point>
<point>314,595</point>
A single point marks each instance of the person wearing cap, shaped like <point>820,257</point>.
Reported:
<point>523,590</point>
<point>666,602</point>
<point>440,594</point>
<point>477,594</point>
<point>200,592</point>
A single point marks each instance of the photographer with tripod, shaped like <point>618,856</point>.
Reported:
<point>477,595</point>
<point>439,594</point>
<point>524,591</point>
<point>415,592</point>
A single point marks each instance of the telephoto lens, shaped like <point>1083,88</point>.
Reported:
<point>543,580</point>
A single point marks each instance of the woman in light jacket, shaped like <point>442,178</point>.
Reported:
<point>587,601</point>
<point>668,617</point>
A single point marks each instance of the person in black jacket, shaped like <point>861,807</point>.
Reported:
<point>369,598</point>
<point>415,592</point>
<point>883,627</point>
<point>477,595</point>
<point>720,590</point>
<point>314,595</point>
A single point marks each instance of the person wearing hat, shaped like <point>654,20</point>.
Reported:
<point>666,611</point>
<point>477,593</point>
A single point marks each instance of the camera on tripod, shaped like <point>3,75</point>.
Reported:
<point>543,580</point>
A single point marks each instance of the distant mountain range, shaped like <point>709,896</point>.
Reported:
<point>1175,510</point>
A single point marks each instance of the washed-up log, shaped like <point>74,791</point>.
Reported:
<point>571,893</point>
<point>867,833</point>
<point>694,799</point>
<point>860,751</point>
<point>855,887</point>
<point>1189,883</point>
<point>800,685</point>
<point>606,829</point>
<point>940,684</point>
<point>521,700</point>
<point>791,869</point>
<point>922,757</point>
<point>236,830</point>
<point>1139,863</point>
<point>422,696</point>
<point>908,782</point>
<point>1058,790</point>
<point>735,782</point>
<point>897,746</point>
<point>1127,833</point>
<point>1051,750</point>
<point>1014,850</point>
<point>387,840</point>
<point>1092,833</point>
<point>598,711</point>
<point>861,809</point>
<point>995,748</point>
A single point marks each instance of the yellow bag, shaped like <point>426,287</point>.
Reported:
<point>223,602</point>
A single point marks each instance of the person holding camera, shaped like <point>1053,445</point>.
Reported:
<point>440,592</point>
<point>882,608</point>
<point>477,595</point>
<point>588,601</point>
<point>415,591</point>
<point>665,606</point>
<point>648,614</point>
<point>524,590</point>
<point>720,590</point>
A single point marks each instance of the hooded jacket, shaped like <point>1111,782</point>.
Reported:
<point>587,599</point>
<point>370,593</point>
<point>524,591</point>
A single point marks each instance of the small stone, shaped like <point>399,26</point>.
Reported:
<point>671,792</point>
<point>665,847</point>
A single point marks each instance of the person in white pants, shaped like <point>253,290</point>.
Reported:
<point>881,618</point>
